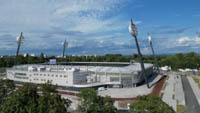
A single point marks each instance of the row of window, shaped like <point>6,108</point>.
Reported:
<point>20,74</point>
<point>36,79</point>
<point>36,74</point>
<point>20,77</point>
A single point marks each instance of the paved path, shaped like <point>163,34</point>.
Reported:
<point>169,94</point>
<point>179,93</point>
<point>192,105</point>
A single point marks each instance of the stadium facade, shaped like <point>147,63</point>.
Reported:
<point>77,76</point>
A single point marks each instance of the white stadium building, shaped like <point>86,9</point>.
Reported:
<point>78,75</point>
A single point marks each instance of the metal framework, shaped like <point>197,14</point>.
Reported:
<point>134,32</point>
<point>65,44</point>
<point>20,41</point>
<point>155,58</point>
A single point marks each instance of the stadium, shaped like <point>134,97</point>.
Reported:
<point>78,75</point>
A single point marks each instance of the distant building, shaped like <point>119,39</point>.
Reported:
<point>58,56</point>
<point>25,54</point>
<point>166,68</point>
<point>33,55</point>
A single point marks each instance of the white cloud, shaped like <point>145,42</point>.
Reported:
<point>47,23</point>
<point>187,41</point>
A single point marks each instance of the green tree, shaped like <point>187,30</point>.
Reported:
<point>24,100</point>
<point>51,101</point>
<point>27,100</point>
<point>150,104</point>
<point>92,103</point>
<point>6,89</point>
<point>42,59</point>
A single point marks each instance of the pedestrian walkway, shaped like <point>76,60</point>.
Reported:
<point>179,93</point>
<point>195,88</point>
<point>169,92</point>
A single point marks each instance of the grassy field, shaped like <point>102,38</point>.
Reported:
<point>196,80</point>
<point>180,108</point>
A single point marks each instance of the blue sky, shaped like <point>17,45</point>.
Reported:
<point>99,26</point>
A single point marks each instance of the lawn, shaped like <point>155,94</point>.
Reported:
<point>180,108</point>
<point>196,80</point>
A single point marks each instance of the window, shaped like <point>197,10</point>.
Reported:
<point>60,75</point>
<point>52,75</point>
<point>65,76</point>
<point>56,75</point>
<point>114,79</point>
<point>20,74</point>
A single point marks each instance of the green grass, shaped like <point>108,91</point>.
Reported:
<point>196,80</point>
<point>180,108</point>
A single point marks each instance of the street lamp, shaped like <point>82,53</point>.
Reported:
<point>155,58</point>
<point>134,32</point>
<point>65,44</point>
<point>20,41</point>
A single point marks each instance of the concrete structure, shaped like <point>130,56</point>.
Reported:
<point>76,77</point>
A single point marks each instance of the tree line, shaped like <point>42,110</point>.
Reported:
<point>179,60</point>
<point>44,98</point>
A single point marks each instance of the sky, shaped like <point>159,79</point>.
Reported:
<point>99,26</point>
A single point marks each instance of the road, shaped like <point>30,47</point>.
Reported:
<point>192,105</point>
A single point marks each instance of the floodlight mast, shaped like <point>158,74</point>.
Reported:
<point>65,44</point>
<point>134,32</point>
<point>20,41</point>
<point>155,58</point>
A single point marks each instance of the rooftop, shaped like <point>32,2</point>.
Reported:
<point>131,68</point>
